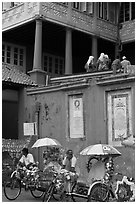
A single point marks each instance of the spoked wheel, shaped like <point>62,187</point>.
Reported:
<point>124,192</point>
<point>12,188</point>
<point>57,191</point>
<point>48,194</point>
<point>99,193</point>
<point>56,195</point>
<point>74,187</point>
<point>36,193</point>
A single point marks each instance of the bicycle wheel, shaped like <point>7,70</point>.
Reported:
<point>99,193</point>
<point>57,191</point>
<point>12,188</point>
<point>124,193</point>
<point>81,190</point>
<point>56,195</point>
<point>36,193</point>
<point>48,194</point>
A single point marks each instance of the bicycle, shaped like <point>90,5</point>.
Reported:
<point>57,187</point>
<point>22,178</point>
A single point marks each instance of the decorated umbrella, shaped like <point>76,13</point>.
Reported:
<point>100,150</point>
<point>46,142</point>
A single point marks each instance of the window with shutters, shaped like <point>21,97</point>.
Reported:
<point>107,11</point>
<point>103,10</point>
<point>127,11</point>
<point>76,5</point>
<point>53,64</point>
<point>90,7</point>
<point>13,54</point>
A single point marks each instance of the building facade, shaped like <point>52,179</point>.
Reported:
<point>54,40</point>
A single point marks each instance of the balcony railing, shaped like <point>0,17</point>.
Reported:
<point>58,13</point>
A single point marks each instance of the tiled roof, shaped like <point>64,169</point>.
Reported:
<point>11,74</point>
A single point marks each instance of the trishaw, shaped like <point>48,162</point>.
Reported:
<point>98,190</point>
<point>41,185</point>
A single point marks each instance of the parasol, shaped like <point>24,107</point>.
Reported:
<point>46,142</point>
<point>100,150</point>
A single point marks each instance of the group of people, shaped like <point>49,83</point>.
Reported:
<point>104,63</point>
<point>120,66</point>
<point>98,170</point>
<point>69,163</point>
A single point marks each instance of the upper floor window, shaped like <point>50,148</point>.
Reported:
<point>76,5</point>
<point>53,64</point>
<point>13,54</point>
<point>8,5</point>
<point>103,10</point>
<point>107,11</point>
<point>86,7</point>
<point>127,11</point>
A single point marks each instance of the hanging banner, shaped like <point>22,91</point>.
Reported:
<point>30,129</point>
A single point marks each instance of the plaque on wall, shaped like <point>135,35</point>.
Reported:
<point>119,116</point>
<point>76,124</point>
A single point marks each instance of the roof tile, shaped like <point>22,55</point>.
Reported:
<point>11,74</point>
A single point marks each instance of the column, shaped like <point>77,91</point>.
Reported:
<point>38,45</point>
<point>68,52</point>
<point>94,48</point>
<point>37,74</point>
<point>94,37</point>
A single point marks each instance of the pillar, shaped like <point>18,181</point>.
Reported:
<point>37,74</point>
<point>68,52</point>
<point>94,37</point>
<point>38,45</point>
<point>94,48</point>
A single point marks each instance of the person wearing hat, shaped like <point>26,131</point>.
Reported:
<point>125,64</point>
<point>90,66</point>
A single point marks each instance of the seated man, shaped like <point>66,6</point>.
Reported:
<point>27,159</point>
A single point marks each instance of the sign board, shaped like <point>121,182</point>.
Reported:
<point>30,128</point>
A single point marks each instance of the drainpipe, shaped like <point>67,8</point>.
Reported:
<point>37,119</point>
<point>118,43</point>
